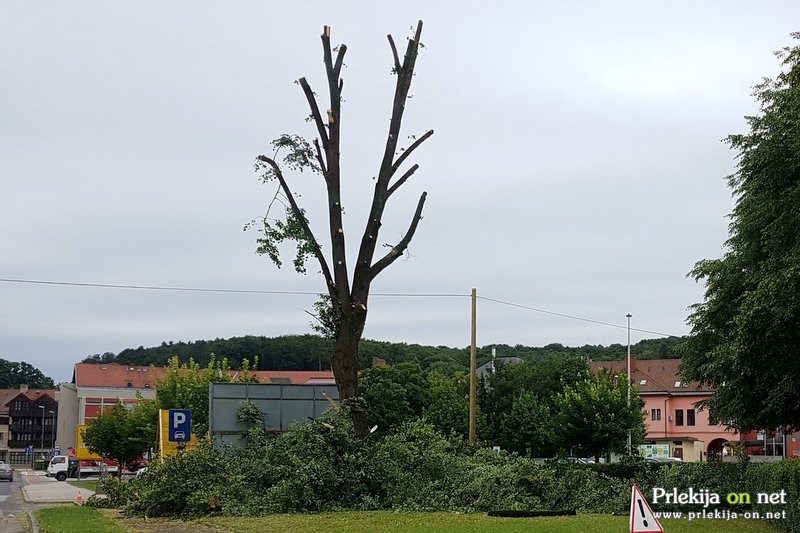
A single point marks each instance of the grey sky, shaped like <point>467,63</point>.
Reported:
<point>576,167</point>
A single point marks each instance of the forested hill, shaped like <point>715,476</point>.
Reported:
<point>310,352</point>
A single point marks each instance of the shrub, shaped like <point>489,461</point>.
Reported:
<point>774,477</point>
<point>195,482</point>
<point>115,493</point>
<point>716,477</point>
<point>323,466</point>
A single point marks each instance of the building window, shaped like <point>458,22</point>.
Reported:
<point>678,417</point>
<point>655,414</point>
<point>18,458</point>
<point>690,417</point>
<point>3,420</point>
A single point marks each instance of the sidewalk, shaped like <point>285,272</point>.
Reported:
<point>41,489</point>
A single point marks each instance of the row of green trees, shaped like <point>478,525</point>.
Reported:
<point>312,352</point>
<point>539,408</point>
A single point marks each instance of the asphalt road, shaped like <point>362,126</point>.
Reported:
<point>12,508</point>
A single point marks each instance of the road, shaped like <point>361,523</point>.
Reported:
<point>12,508</point>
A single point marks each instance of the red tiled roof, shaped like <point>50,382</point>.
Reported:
<point>653,375</point>
<point>295,377</point>
<point>31,394</point>
<point>113,375</point>
<point>5,396</point>
<point>118,376</point>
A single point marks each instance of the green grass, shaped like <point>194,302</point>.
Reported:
<point>70,518</point>
<point>88,485</point>
<point>387,522</point>
<point>87,520</point>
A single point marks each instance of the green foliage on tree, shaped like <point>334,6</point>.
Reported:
<point>594,417</point>
<point>14,374</point>
<point>122,433</point>
<point>249,413</point>
<point>394,394</point>
<point>185,386</point>
<point>539,380</point>
<point>746,332</point>
<point>448,405</point>
<point>399,394</point>
<point>527,429</point>
<point>312,352</point>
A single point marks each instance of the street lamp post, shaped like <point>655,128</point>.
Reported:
<point>628,316</point>
<point>52,429</point>
<point>43,411</point>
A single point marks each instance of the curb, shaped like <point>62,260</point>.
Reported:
<point>34,523</point>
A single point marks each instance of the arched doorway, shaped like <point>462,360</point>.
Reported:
<point>714,450</point>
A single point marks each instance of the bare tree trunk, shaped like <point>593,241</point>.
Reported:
<point>344,362</point>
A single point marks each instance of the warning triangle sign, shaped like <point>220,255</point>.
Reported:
<point>642,518</point>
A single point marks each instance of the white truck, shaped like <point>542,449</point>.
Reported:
<point>61,467</point>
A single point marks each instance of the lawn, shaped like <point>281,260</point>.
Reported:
<point>70,518</point>
<point>90,484</point>
<point>388,522</point>
<point>87,520</point>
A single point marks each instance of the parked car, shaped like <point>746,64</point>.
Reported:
<point>6,472</point>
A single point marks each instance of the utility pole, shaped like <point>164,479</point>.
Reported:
<point>628,316</point>
<point>473,364</point>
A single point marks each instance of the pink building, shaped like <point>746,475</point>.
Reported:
<point>676,427</point>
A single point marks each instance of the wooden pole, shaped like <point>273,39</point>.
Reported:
<point>473,363</point>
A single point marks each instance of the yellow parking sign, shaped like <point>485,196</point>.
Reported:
<point>165,446</point>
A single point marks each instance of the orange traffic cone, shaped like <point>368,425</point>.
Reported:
<point>79,499</point>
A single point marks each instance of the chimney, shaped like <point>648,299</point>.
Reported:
<point>23,388</point>
<point>633,364</point>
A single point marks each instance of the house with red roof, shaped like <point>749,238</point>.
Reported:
<point>676,426</point>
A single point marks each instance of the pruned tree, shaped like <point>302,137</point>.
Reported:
<point>348,296</point>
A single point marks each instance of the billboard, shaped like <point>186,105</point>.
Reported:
<point>656,451</point>
<point>81,450</point>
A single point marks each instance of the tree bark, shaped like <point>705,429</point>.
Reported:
<point>344,363</point>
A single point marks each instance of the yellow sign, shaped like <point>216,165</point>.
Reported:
<point>166,447</point>
<point>81,450</point>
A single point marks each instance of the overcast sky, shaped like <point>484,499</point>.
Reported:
<point>577,165</point>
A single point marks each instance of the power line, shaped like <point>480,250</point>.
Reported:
<point>150,287</point>
<point>572,317</point>
<point>306,293</point>
<point>202,289</point>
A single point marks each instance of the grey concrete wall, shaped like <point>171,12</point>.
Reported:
<point>280,405</point>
